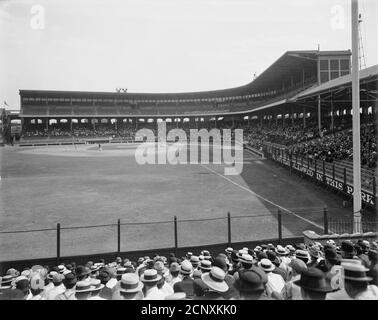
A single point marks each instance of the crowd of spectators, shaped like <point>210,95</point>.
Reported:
<point>315,272</point>
<point>306,142</point>
<point>339,146</point>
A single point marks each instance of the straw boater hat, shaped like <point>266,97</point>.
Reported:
<point>6,281</point>
<point>355,272</point>
<point>61,268</point>
<point>205,265</point>
<point>266,265</point>
<point>96,284</point>
<point>186,267</point>
<point>229,250</point>
<point>301,254</point>
<point>241,252</point>
<point>290,248</point>
<point>194,260</point>
<point>83,286</point>
<point>120,272</point>
<point>246,258</point>
<point>51,275</point>
<point>281,251</point>
<point>150,276</point>
<point>215,279</point>
<point>130,283</point>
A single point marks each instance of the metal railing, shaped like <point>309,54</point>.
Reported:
<point>346,226</point>
<point>175,233</point>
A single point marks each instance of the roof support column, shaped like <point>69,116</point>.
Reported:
<point>304,117</point>
<point>332,117</point>
<point>319,117</point>
<point>356,121</point>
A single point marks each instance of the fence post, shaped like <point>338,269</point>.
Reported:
<point>291,160</point>
<point>229,229</point>
<point>58,244</point>
<point>324,172</point>
<point>316,170</point>
<point>325,220</point>
<point>279,219</point>
<point>176,242</point>
<point>119,236</point>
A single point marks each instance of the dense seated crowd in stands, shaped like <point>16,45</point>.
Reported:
<point>340,146</point>
<point>315,271</point>
<point>336,145</point>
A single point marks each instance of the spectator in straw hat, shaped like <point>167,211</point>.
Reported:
<point>216,286</point>
<point>150,279</point>
<point>251,284</point>
<point>83,289</point>
<point>162,285</point>
<point>231,293</point>
<point>199,287</point>
<point>283,255</point>
<point>275,282</point>
<point>235,262</point>
<point>48,281</point>
<point>174,274</point>
<point>96,286</point>
<point>58,288</point>
<point>302,254</point>
<point>194,260</point>
<point>356,284</point>
<point>291,291</point>
<point>36,287</point>
<point>130,287</point>
<point>186,284</point>
<point>277,262</point>
<point>313,284</point>
<point>6,282</point>
<point>69,283</point>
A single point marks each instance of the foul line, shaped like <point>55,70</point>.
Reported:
<point>261,197</point>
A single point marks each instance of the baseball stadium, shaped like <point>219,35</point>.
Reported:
<point>71,188</point>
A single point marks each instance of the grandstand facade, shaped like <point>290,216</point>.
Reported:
<point>284,91</point>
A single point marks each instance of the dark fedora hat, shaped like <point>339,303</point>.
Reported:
<point>251,280</point>
<point>348,247</point>
<point>313,279</point>
<point>82,271</point>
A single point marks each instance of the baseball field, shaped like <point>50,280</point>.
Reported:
<point>83,186</point>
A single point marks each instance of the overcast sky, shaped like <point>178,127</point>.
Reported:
<point>164,45</point>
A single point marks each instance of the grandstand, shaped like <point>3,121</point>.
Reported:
<point>89,202</point>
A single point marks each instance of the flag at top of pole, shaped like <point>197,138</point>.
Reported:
<point>356,121</point>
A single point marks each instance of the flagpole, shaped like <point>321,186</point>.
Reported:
<point>356,122</point>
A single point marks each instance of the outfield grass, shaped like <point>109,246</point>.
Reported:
<point>43,186</point>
